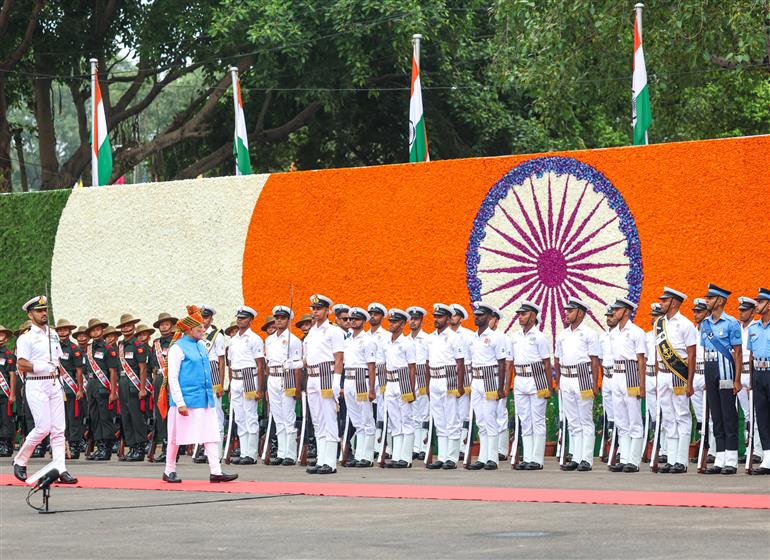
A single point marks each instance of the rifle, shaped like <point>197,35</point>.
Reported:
<point>704,436</point>
<point>515,442</point>
<point>603,457</point>
<point>383,438</point>
<point>749,465</point>
<point>612,456</point>
<point>428,441</point>
<point>468,441</point>
<point>229,437</point>
<point>266,446</point>
<point>344,447</point>
<point>561,436</point>
<point>656,439</point>
<point>302,443</point>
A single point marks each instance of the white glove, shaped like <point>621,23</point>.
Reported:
<point>336,383</point>
<point>43,367</point>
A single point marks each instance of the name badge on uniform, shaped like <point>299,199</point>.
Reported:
<point>129,355</point>
<point>99,355</point>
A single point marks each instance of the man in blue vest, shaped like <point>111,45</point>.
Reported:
<point>722,347</point>
<point>759,354</point>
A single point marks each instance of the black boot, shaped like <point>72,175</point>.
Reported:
<point>74,450</point>
<point>39,452</point>
<point>162,457</point>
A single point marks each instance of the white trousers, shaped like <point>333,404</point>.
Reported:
<point>485,410</point>
<point>628,410</point>
<point>609,409</point>
<point>529,407</point>
<point>360,413</point>
<point>400,412</point>
<point>220,414</point>
<point>580,420</point>
<point>443,408</point>
<point>212,449</point>
<point>323,411</point>
<point>246,417</point>
<point>675,409</point>
<point>743,399</point>
<point>46,401</point>
<point>282,407</point>
<point>464,407</point>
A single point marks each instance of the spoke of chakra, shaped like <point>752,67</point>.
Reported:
<point>520,246</point>
<point>550,214</point>
<point>518,294</point>
<point>582,225</point>
<point>582,288</point>
<point>507,255</point>
<point>594,280</point>
<point>512,283</point>
<point>595,251</point>
<point>525,215</point>
<point>540,221</point>
<point>571,219</point>
<point>593,266</point>
<point>510,269</point>
<point>560,219</point>
<point>532,245</point>
<point>570,250</point>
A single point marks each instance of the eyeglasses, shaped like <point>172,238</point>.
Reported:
<point>345,319</point>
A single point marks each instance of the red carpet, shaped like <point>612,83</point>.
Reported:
<point>422,492</point>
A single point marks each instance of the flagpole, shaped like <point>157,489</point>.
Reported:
<point>234,74</point>
<point>416,38</point>
<point>638,10</point>
<point>94,139</point>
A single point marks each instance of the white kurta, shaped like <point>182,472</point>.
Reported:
<point>201,424</point>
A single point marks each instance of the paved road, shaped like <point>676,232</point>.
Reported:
<point>229,526</point>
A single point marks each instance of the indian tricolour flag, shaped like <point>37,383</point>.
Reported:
<point>101,153</point>
<point>641,112</point>
<point>240,140</point>
<point>418,137</point>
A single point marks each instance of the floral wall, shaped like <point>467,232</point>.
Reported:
<point>597,224</point>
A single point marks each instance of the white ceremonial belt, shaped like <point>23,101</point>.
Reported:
<point>438,372</point>
<point>31,376</point>
<point>762,363</point>
<point>276,369</point>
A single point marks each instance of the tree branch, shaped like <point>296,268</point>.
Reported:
<point>5,14</point>
<point>13,58</point>
<point>220,155</point>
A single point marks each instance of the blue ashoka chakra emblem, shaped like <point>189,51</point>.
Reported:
<point>553,228</point>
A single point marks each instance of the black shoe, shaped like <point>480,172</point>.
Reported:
<point>584,466</point>
<point>568,458</point>
<point>710,459</point>
<point>200,459</point>
<point>435,465</point>
<point>312,470</point>
<point>729,470</point>
<point>74,452</point>
<point>630,468</point>
<point>477,466</point>
<point>756,459</point>
<point>713,470</point>
<point>421,456</point>
<point>350,463</point>
<point>521,466</point>
<point>224,477</point>
<point>449,466</point>
<point>364,463</point>
<point>490,466</point>
<point>236,452</point>
<point>115,447</point>
<point>39,452</point>
<point>757,471</point>
<point>21,472</point>
<point>288,462</point>
<point>617,467</point>
<point>502,456</point>
<point>104,454</point>
<point>462,456</point>
<point>162,457</point>
<point>5,450</point>
<point>247,461</point>
<point>662,458</point>
<point>172,478</point>
<point>694,460</point>
<point>569,466</point>
<point>678,468</point>
<point>67,478</point>
<point>312,452</point>
<point>665,468</point>
<point>534,466</point>
<point>274,462</point>
<point>326,469</point>
<point>136,457</point>
<point>400,465</point>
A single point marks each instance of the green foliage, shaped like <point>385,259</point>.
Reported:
<point>28,224</point>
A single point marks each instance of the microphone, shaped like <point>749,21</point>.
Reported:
<point>46,480</point>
